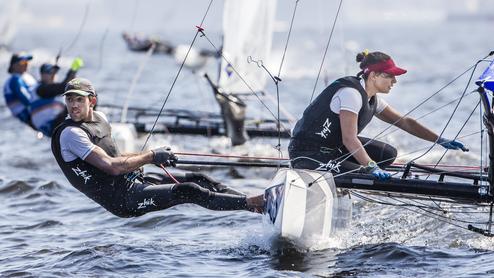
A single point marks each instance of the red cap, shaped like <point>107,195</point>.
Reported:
<point>387,66</point>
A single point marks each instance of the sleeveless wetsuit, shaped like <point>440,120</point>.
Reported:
<point>127,197</point>
<point>317,141</point>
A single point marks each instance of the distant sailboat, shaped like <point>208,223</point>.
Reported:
<point>8,15</point>
<point>249,37</point>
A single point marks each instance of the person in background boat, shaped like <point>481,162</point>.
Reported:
<point>90,160</point>
<point>327,136</point>
<point>141,43</point>
<point>47,107</point>
<point>19,87</point>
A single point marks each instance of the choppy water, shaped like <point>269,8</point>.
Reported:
<point>49,229</point>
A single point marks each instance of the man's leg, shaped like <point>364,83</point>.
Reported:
<point>143,198</point>
<point>198,178</point>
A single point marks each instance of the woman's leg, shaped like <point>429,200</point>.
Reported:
<point>382,153</point>
<point>334,161</point>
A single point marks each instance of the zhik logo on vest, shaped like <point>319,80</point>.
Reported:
<point>82,174</point>
<point>325,129</point>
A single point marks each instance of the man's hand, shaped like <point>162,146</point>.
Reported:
<point>452,144</point>
<point>77,64</point>
<point>164,156</point>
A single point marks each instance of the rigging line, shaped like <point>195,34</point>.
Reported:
<point>276,81</point>
<point>442,216</point>
<point>125,107</point>
<point>199,30</point>
<point>386,160</point>
<point>415,198</point>
<point>457,209</point>
<point>134,15</point>
<point>481,139</point>
<point>379,200</point>
<point>356,169</point>
<point>81,27</point>
<point>456,136</point>
<point>326,51</point>
<point>427,213</point>
<point>231,156</point>
<point>241,78</point>
<point>346,156</point>
<point>101,45</point>
<point>452,114</point>
<point>288,37</point>
<point>429,113</point>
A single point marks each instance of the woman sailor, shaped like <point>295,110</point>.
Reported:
<point>327,136</point>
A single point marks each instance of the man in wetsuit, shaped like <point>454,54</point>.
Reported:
<point>88,157</point>
<point>47,107</point>
<point>18,89</point>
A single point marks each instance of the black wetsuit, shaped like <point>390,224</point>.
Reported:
<point>317,141</point>
<point>128,197</point>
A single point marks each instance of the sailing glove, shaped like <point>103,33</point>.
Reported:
<point>377,172</point>
<point>451,144</point>
<point>164,156</point>
<point>77,64</point>
<point>380,173</point>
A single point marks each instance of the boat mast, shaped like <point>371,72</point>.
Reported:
<point>489,125</point>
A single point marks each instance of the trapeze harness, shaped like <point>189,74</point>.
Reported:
<point>317,142</point>
<point>127,197</point>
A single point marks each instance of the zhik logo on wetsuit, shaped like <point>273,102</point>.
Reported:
<point>82,174</point>
<point>332,166</point>
<point>325,129</point>
<point>145,203</point>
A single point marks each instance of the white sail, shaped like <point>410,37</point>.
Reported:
<point>9,13</point>
<point>247,27</point>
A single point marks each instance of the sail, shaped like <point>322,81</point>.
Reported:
<point>247,30</point>
<point>487,78</point>
<point>8,15</point>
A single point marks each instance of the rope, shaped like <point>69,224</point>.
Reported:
<point>220,53</point>
<point>452,114</point>
<point>457,134</point>
<point>427,114</point>
<point>326,51</point>
<point>288,37</point>
<point>76,38</point>
<point>276,80</point>
<point>100,50</point>
<point>170,175</point>
<point>199,30</point>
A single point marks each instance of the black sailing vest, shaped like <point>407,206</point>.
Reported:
<point>104,189</point>
<point>320,127</point>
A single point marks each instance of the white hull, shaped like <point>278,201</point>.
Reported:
<point>304,205</point>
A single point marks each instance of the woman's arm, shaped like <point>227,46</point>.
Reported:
<point>391,116</point>
<point>348,121</point>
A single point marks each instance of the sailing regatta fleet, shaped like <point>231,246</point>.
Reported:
<point>329,163</point>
